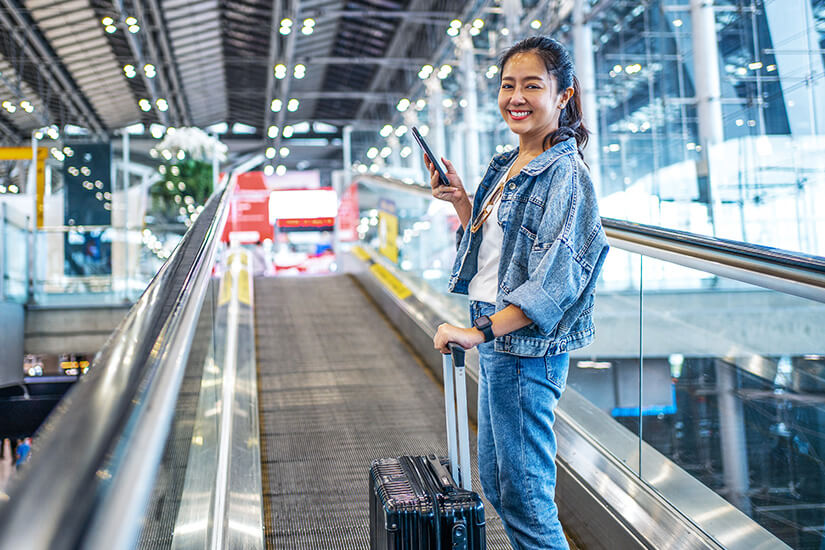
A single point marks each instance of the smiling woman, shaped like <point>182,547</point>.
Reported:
<point>529,264</point>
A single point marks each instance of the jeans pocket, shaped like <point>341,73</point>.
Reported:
<point>556,367</point>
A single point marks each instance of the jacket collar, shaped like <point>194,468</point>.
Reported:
<point>541,162</point>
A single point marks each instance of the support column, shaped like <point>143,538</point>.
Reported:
<point>414,160</point>
<point>586,72</point>
<point>127,272</point>
<point>708,94</point>
<point>458,151</point>
<point>798,59</point>
<point>706,74</point>
<point>732,438</point>
<point>513,12</point>
<point>341,186</point>
<point>436,119</point>
<point>472,166</point>
<point>347,151</point>
<point>394,160</point>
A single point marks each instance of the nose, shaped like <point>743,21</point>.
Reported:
<point>517,98</point>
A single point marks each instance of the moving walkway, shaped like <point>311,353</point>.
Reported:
<point>323,374</point>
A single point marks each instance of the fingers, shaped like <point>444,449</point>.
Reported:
<point>449,166</point>
<point>440,340</point>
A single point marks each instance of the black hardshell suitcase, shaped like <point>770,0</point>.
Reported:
<point>415,502</point>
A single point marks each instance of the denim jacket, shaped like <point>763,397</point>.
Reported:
<point>553,249</point>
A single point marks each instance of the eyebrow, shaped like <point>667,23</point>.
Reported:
<point>525,78</point>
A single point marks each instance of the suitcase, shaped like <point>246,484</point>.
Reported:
<point>427,502</point>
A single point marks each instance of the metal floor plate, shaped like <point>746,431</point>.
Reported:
<point>338,388</point>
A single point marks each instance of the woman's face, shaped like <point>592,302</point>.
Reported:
<point>528,98</point>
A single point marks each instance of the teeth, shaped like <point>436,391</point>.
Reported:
<point>519,113</point>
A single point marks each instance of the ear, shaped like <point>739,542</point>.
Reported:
<point>565,96</point>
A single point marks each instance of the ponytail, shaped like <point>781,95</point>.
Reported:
<point>571,123</point>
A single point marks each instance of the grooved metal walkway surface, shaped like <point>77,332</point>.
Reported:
<point>338,388</point>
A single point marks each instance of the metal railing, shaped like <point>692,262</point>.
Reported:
<point>95,458</point>
<point>782,270</point>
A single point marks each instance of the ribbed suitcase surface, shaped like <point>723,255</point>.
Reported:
<point>416,505</point>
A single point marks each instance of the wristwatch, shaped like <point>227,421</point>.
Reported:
<point>485,325</point>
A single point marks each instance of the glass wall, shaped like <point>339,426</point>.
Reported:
<point>112,213</point>
<point>706,119</point>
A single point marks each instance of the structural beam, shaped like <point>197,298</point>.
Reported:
<point>170,64</point>
<point>400,42</point>
<point>152,85</point>
<point>274,50</point>
<point>393,62</point>
<point>286,82</point>
<point>28,36</point>
<point>424,17</point>
<point>9,131</point>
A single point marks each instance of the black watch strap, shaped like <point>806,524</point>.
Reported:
<point>485,325</point>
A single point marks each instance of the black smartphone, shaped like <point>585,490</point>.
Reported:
<point>442,174</point>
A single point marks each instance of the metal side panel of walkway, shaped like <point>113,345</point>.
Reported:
<point>338,388</point>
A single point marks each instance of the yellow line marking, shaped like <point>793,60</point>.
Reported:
<point>390,281</point>
<point>360,253</point>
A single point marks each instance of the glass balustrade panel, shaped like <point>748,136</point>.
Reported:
<point>734,393</point>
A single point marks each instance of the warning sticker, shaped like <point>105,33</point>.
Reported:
<point>360,253</point>
<point>243,258</point>
<point>390,281</point>
<point>243,287</point>
<point>226,289</point>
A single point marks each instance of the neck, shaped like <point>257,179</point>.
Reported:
<point>532,145</point>
<point>530,148</point>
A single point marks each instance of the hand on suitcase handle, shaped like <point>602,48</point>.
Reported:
<point>448,334</point>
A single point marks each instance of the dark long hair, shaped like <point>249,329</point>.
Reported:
<point>557,60</point>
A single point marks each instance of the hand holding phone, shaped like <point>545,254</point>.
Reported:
<point>442,173</point>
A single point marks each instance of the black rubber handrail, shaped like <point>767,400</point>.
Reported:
<point>797,260</point>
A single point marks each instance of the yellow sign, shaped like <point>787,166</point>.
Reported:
<point>390,281</point>
<point>25,153</point>
<point>360,253</point>
<point>388,235</point>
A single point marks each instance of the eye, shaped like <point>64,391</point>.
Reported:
<point>506,86</point>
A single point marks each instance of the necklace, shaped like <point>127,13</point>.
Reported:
<point>488,207</point>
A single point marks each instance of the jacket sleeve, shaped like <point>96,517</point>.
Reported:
<point>568,252</point>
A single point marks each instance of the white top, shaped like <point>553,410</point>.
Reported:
<point>484,284</point>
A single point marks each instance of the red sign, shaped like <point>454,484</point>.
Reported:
<point>286,223</point>
<point>249,210</point>
<point>348,215</point>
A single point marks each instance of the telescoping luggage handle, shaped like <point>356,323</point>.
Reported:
<point>459,448</point>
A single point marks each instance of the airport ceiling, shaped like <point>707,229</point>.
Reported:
<point>84,62</point>
<point>104,65</point>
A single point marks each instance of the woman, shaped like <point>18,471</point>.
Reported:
<point>531,246</point>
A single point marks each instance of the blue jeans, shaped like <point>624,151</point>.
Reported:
<point>517,397</point>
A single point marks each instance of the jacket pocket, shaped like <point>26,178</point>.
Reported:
<point>524,244</point>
